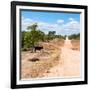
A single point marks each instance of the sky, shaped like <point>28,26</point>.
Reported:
<point>61,22</point>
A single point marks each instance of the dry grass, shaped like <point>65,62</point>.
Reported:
<point>75,44</point>
<point>45,60</point>
<point>36,69</point>
<point>59,42</point>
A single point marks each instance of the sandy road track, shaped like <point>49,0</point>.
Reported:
<point>69,64</point>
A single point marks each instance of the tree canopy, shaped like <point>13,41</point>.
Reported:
<point>32,36</point>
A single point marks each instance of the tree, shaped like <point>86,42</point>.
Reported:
<point>32,36</point>
<point>35,35</point>
<point>22,38</point>
<point>32,27</point>
<point>51,34</point>
<point>27,40</point>
<point>41,35</point>
<point>74,36</point>
<point>60,36</point>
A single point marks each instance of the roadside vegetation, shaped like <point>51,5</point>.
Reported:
<point>75,40</point>
<point>32,37</point>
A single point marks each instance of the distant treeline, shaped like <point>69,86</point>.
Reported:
<point>33,36</point>
<point>75,36</point>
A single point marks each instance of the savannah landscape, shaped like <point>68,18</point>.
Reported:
<point>49,55</point>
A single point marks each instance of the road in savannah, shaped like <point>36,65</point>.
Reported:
<point>69,63</point>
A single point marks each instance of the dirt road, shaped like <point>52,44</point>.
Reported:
<point>69,64</point>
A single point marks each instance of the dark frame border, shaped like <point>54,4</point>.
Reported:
<point>13,44</point>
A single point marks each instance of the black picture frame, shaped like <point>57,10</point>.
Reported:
<point>14,5</point>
